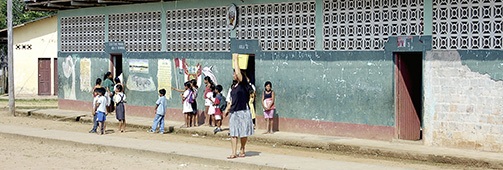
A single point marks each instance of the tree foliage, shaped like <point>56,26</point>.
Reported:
<point>19,14</point>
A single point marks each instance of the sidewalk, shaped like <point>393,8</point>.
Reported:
<point>352,146</point>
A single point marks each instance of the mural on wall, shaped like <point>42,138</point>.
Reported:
<point>138,83</point>
<point>139,79</point>
<point>189,71</point>
<point>68,84</point>
<point>85,74</point>
<point>138,66</point>
<point>164,76</point>
<point>207,71</point>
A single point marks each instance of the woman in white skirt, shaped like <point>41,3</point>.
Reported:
<point>240,121</point>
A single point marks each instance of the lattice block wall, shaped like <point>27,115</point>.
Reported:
<point>280,26</point>
<point>467,24</point>
<point>139,31</point>
<point>366,25</point>
<point>83,33</point>
<point>201,29</point>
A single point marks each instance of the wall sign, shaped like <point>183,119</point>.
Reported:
<point>232,16</point>
<point>115,47</point>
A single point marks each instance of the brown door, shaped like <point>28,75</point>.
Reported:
<point>56,76</point>
<point>409,95</point>
<point>44,76</point>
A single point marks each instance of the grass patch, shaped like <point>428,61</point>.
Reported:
<point>30,100</point>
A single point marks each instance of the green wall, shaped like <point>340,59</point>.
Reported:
<point>488,62</point>
<point>351,87</point>
<point>69,87</point>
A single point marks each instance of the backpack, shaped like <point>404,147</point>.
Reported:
<point>191,97</point>
<point>223,103</point>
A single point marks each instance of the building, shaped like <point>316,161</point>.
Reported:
<point>427,70</point>
<point>35,57</point>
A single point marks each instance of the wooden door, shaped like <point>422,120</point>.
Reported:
<point>408,121</point>
<point>44,76</point>
<point>56,86</point>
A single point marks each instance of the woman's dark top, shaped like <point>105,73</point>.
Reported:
<point>240,97</point>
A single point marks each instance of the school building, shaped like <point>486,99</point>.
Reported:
<point>35,57</point>
<point>424,70</point>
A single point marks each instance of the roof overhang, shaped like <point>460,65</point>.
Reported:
<point>54,5</point>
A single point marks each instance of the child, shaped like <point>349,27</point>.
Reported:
<point>194,103</point>
<point>97,85</point>
<point>211,110</point>
<point>117,83</point>
<point>268,104</point>
<point>251,103</point>
<point>187,100</point>
<point>160,111</point>
<point>120,112</point>
<point>220,105</point>
<point>108,84</point>
<point>101,108</point>
<point>207,102</point>
<point>95,100</point>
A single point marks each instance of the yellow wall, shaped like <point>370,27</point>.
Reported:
<point>42,36</point>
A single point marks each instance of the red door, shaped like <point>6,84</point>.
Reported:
<point>44,76</point>
<point>55,76</point>
<point>408,91</point>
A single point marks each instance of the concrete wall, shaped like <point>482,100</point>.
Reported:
<point>337,91</point>
<point>42,38</point>
<point>463,95</point>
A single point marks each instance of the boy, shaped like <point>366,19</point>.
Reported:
<point>160,111</point>
<point>95,100</point>
<point>101,109</point>
<point>220,104</point>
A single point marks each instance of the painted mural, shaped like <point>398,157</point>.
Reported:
<point>85,75</point>
<point>139,78</point>
<point>164,76</point>
<point>208,71</point>
<point>68,83</point>
<point>189,71</point>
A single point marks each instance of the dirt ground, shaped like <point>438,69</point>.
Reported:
<point>35,155</point>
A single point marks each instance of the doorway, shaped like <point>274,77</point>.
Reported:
<point>250,71</point>
<point>44,76</point>
<point>409,94</point>
<point>116,64</point>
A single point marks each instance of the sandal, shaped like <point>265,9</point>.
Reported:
<point>242,155</point>
<point>232,157</point>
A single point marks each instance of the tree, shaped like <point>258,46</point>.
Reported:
<point>20,15</point>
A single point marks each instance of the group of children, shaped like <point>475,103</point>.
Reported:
<point>214,103</point>
<point>108,98</point>
<point>112,96</point>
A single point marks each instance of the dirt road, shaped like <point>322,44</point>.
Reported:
<point>28,154</point>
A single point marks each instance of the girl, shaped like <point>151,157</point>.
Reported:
<point>120,112</point>
<point>118,82</point>
<point>268,104</point>
<point>108,84</point>
<point>194,104</point>
<point>211,110</point>
<point>207,102</point>
<point>187,99</point>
